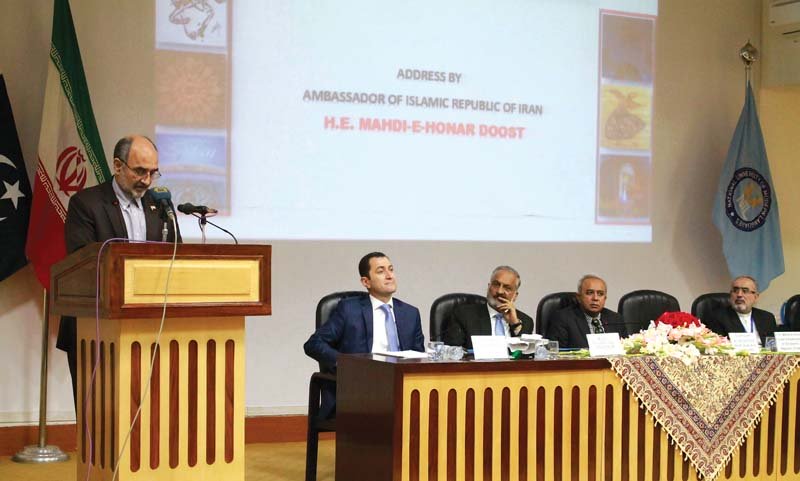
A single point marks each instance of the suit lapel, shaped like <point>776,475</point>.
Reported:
<point>482,323</point>
<point>114,211</point>
<point>152,218</point>
<point>734,323</point>
<point>366,314</point>
<point>580,320</point>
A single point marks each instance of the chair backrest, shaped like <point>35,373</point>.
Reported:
<point>443,306</point>
<point>549,305</point>
<point>705,304</point>
<point>638,308</point>
<point>791,314</point>
<point>327,304</point>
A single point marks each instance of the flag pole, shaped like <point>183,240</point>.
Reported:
<point>42,453</point>
<point>748,54</point>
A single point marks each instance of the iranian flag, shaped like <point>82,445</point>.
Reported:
<point>70,151</point>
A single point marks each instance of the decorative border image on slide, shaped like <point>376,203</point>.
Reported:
<point>623,58</point>
<point>624,189</point>
<point>195,165</point>
<point>192,25</point>
<point>191,89</point>
<point>625,117</point>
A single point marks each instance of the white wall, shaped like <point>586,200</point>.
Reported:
<point>699,94</point>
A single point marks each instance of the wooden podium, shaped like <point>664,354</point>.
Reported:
<point>191,424</point>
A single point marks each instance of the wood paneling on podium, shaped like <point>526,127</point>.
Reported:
<point>417,420</point>
<point>191,424</point>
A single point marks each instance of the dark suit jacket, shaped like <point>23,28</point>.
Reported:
<point>349,331</point>
<point>569,326</point>
<point>724,320</point>
<point>94,215</point>
<point>469,320</point>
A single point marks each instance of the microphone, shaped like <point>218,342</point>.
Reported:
<point>163,198</point>
<point>190,209</point>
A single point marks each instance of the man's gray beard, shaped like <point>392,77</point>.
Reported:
<point>136,194</point>
<point>739,309</point>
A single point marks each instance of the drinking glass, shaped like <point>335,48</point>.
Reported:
<point>435,349</point>
<point>552,349</point>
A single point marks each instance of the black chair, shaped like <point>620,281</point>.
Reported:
<point>319,380</point>
<point>791,314</point>
<point>549,305</point>
<point>638,308</point>
<point>705,304</point>
<point>443,306</point>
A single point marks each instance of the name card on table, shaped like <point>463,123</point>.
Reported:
<point>787,341</point>
<point>745,341</point>
<point>490,347</point>
<point>607,344</point>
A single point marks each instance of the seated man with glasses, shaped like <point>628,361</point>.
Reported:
<point>499,316</point>
<point>122,207</point>
<point>740,315</point>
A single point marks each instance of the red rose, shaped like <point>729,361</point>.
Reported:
<point>678,319</point>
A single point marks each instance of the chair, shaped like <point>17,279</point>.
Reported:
<point>319,380</point>
<point>549,305</point>
<point>443,306</point>
<point>791,314</point>
<point>638,308</point>
<point>705,304</point>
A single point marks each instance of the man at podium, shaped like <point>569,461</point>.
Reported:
<point>120,208</point>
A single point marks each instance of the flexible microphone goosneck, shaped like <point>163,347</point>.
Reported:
<point>190,209</point>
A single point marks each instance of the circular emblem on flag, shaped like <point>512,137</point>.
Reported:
<point>748,199</point>
<point>71,170</point>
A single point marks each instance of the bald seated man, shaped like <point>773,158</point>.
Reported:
<point>589,315</point>
<point>122,207</point>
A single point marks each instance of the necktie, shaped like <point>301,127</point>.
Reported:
<point>598,326</point>
<point>499,329</point>
<point>391,329</point>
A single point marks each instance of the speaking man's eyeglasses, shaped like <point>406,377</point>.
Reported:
<point>141,172</point>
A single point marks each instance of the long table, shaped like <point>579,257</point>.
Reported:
<point>409,420</point>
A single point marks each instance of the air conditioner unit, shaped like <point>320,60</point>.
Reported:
<point>784,16</point>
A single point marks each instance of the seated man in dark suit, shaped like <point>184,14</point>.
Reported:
<point>740,315</point>
<point>570,325</point>
<point>374,323</point>
<point>499,316</point>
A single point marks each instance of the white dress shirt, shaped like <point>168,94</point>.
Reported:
<point>380,341</point>
<point>132,213</point>
<point>492,314</point>
<point>747,322</point>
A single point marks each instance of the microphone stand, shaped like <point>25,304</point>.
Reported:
<point>202,221</point>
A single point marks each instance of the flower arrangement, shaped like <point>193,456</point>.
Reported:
<point>679,335</point>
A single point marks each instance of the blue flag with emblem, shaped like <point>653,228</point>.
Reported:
<point>746,207</point>
<point>15,192</point>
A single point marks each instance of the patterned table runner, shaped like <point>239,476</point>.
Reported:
<point>710,407</point>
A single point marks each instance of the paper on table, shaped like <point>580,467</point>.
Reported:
<point>787,341</point>
<point>403,354</point>
<point>607,344</point>
<point>490,347</point>
<point>745,341</point>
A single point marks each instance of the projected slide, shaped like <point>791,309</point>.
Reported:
<point>448,120</point>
